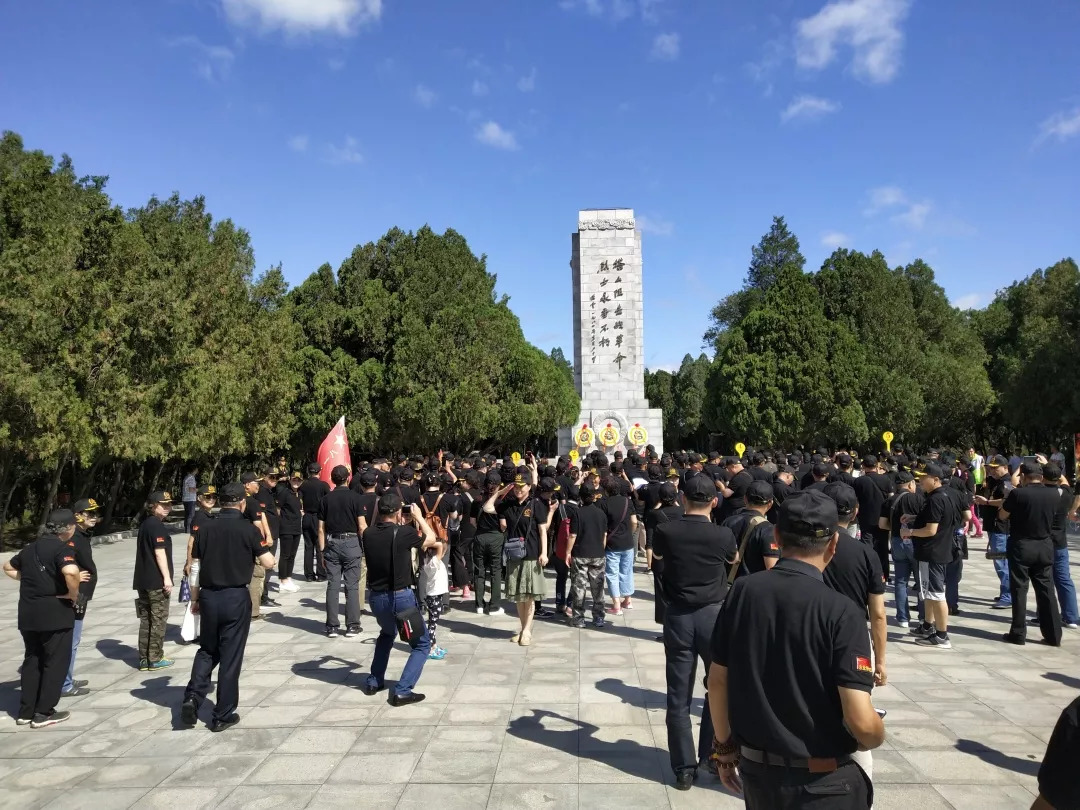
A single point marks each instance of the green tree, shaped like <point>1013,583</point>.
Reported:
<point>689,394</point>
<point>660,392</point>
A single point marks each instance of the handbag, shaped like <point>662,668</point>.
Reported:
<point>514,548</point>
<point>185,591</point>
<point>409,622</point>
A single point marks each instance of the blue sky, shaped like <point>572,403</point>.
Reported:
<point>943,130</point>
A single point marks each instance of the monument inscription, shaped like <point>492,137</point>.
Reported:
<point>609,368</point>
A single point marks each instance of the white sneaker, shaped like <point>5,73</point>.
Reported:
<point>480,610</point>
<point>288,586</point>
<point>496,612</point>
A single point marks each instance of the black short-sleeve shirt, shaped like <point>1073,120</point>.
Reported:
<point>447,506</point>
<point>312,491</point>
<point>696,555</point>
<point>781,492</point>
<point>760,544</point>
<point>589,523</point>
<point>903,503</point>
<point>871,497</point>
<point>738,485</point>
<point>153,535</point>
<point>994,489</point>
<point>789,642</point>
<point>289,503</point>
<point>378,541</point>
<point>84,558</point>
<point>939,507</point>
<point>268,504</point>
<point>226,548</point>
<point>340,511</point>
<point>370,502</point>
<point>486,522</point>
<point>659,516</point>
<point>1059,531</point>
<point>524,520</point>
<point>619,511</point>
<point>201,518</point>
<point>855,571</point>
<point>40,563</point>
<point>1031,512</point>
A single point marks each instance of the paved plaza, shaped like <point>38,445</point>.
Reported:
<point>575,720</point>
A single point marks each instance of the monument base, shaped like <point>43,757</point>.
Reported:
<point>622,415</point>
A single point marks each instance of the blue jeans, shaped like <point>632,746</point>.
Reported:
<point>384,605</point>
<point>76,637</point>
<point>1062,583</point>
<point>904,565</point>
<point>997,543</point>
<point>620,573</point>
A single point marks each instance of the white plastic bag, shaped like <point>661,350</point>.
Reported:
<point>189,630</point>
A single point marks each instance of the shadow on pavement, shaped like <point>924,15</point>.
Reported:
<point>116,650</point>
<point>1065,680</point>
<point>160,692</point>
<point>992,756</point>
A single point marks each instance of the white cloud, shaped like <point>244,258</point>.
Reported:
<point>871,27</point>
<point>424,96</point>
<point>346,153</point>
<point>971,301</point>
<point>835,239</point>
<point>611,10</point>
<point>340,17</point>
<point>649,10</point>
<point>212,62</point>
<point>914,213</point>
<point>656,227</point>
<point>761,71</point>
<point>298,143</point>
<point>526,84</point>
<point>809,107</point>
<point>491,134</point>
<point>1060,126</point>
<point>665,47</point>
<point>914,216</point>
<point>479,88</point>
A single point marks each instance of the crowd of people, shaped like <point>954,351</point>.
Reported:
<point>790,658</point>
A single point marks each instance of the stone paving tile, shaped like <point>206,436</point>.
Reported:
<point>575,720</point>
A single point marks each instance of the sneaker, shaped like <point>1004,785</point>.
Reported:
<point>934,640</point>
<point>353,631</point>
<point>43,720</point>
<point>164,663</point>
<point>578,623</point>
<point>74,691</point>
<point>1011,639</point>
<point>922,632</point>
<point>189,713</point>
<point>684,778</point>
<point>466,592</point>
<point>438,654</point>
<point>288,586</point>
<point>80,684</point>
<point>480,609</point>
<point>226,722</point>
<point>268,602</point>
<point>1071,625</point>
<point>544,613</point>
<point>999,605</point>
<point>23,721</point>
<point>496,612</point>
<point>144,665</point>
<point>331,632</point>
<point>599,624</point>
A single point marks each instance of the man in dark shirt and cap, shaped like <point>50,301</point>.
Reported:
<point>933,530</point>
<point>696,554</point>
<point>789,688</point>
<point>312,491</point>
<point>153,580</point>
<point>86,518</point>
<point>49,580</point>
<point>341,525</point>
<point>758,549</point>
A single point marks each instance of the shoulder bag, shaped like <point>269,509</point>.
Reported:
<point>514,549</point>
<point>751,524</point>
<point>410,624</point>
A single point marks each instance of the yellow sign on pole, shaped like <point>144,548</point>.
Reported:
<point>516,458</point>
<point>740,448</point>
<point>888,437</point>
<point>574,456</point>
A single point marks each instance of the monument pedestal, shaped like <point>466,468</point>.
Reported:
<point>609,367</point>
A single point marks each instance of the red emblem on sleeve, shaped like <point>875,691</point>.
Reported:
<point>862,663</point>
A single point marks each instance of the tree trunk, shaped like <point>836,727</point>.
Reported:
<point>82,488</point>
<point>158,467</point>
<point>114,494</point>
<point>51,497</point>
<point>5,467</point>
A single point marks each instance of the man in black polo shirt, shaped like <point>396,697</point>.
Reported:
<point>696,554</point>
<point>226,549</point>
<point>153,579</point>
<point>341,525</point>
<point>86,518</point>
<point>268,503</point>
<point>253,512</point>
<point>783,488</point>
<point>312,491</point>
<point>932,531</point>
<point>734,491</point>
<point>1030,511</point>
<point>759,551</point>
<point>872,488</point>
<point>790,685</point>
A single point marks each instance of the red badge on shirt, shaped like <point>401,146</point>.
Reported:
<point>862,663</point>
<point>773,547</point>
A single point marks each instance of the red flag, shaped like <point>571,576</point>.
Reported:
<point>333,451</point>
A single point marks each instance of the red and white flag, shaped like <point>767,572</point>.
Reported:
<point>333,451</point>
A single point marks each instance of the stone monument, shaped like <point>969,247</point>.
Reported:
<point>609,357</point>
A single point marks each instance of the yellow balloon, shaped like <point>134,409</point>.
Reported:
<point>740,448</point>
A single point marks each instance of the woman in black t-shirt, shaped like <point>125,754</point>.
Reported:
<point>622,528</point>
<point>487,544</point>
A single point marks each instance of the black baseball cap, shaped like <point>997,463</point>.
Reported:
<point>672,473</point>
<point>819,468</point>
<point>1051,471</point>
<point>369,478</point>
<point>998,461</point>
<point>759,492</point>
<point>699,489</point>
<point>933,470</point>
<point>233,493</point>
<point>573,492</point>
<point>869,461</point>
<point>272,472</point>
<point>208,491</point>
<point>810,513</point>
<point>160,497</point>
<point>547,485</point>
<point>61,518</point>
<point>248,478</point>
<point>390,503</point>
<point>1031,468</point>
<point>668,493</point>
<point>844,495</point>
<point>904,476</point>
<point>314,468</point>
<point>730,460</point>
<point>90,505</point>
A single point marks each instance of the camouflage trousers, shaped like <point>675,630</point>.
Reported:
<point>152,608</point>
<point>587,573</point>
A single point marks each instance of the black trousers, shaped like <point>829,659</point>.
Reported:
<point>45,665</point>
<point>1033,561</point>
<point>223,633</point>
<point>687,637</point>
<point>461,558</point>
<point>313,561</point>
<point>289,545</point>
<point>882,547</point>
<point>562,573</point>
<point>768,787</point>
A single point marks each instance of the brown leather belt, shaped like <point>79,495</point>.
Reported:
<point>814,764</point>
